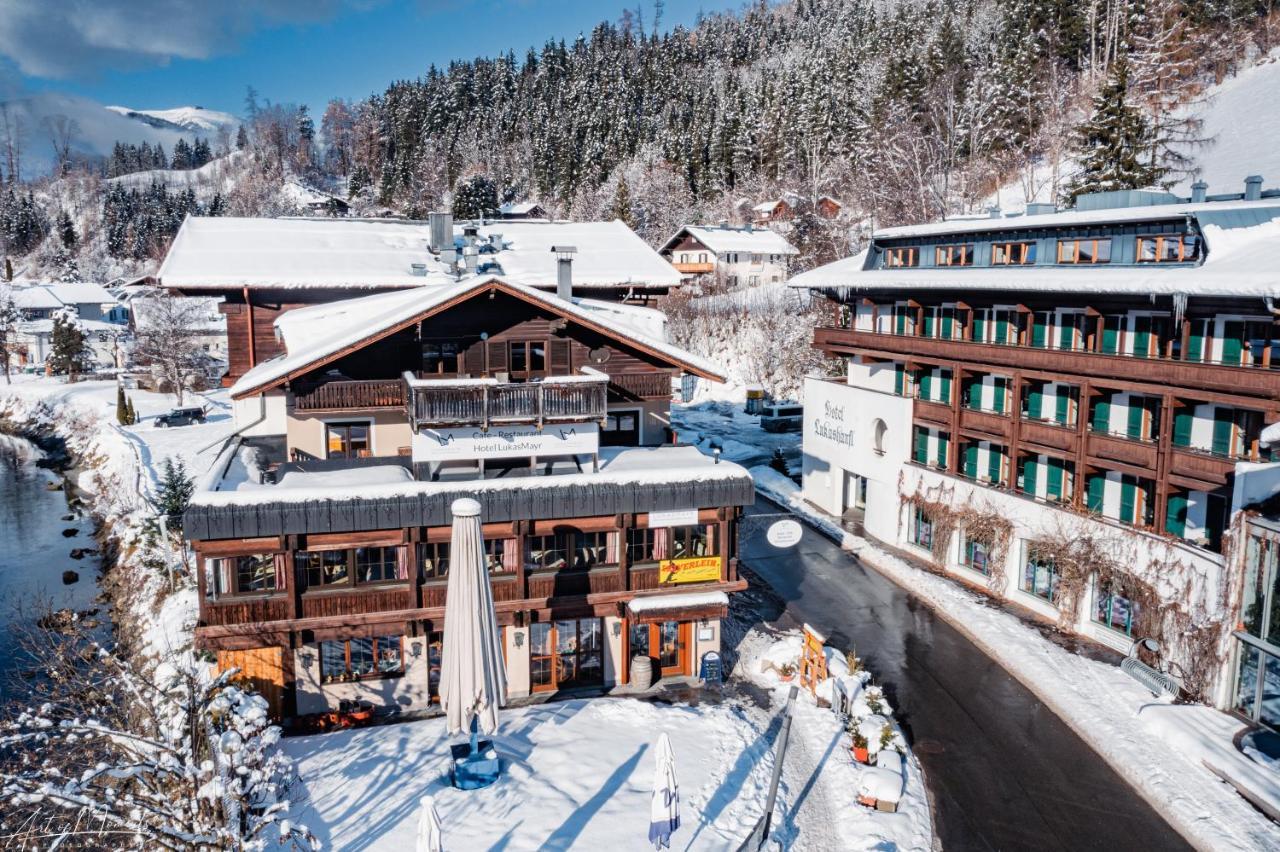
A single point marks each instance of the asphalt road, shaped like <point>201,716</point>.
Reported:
<point>1003,771</point>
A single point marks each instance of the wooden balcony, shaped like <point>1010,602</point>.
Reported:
<point>1114,448</point>
<point>935,413</point>
<point>348,395</point>
<point>357,602</point>
<point>694,268</point>
<point>244,610</point>
<point>1229,381</point>
<point>1189,468</point>
<point>1050,436</point>
<point>988,423</point>
<point>655,385</point>
<point>484,402</point>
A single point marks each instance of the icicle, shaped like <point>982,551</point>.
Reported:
<point>1179,307</point>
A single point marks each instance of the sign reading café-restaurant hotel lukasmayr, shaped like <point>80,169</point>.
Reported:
<point>472,442</point>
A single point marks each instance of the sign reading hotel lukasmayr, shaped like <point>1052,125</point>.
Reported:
<point>698,569</point>
<point>830,424</point>
<point>471,442</point>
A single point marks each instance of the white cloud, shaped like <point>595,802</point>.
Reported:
<point>74,38</point>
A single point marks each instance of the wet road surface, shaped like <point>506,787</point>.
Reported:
<point>1003,771</point>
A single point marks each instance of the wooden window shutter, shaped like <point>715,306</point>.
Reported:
<point>561,351</point>
<point>473,360</point>
<point>497,356</point>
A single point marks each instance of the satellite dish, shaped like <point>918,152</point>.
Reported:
<point>599,356</point>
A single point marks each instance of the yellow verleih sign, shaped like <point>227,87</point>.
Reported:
<point>699,569</point>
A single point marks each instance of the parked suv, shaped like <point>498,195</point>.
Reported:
<point>782,417</point>
<point>180,417</point>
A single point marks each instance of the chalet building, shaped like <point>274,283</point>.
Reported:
<point>101,316</point>
<point>784,209</point>
<point>738,257</point>
<point>322,532</point>
<point>264,268</point>
<point>522,210</point>
<point>1098,372</point>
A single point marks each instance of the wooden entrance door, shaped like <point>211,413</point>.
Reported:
<point>621,429</point>
<point>666,643</point>
<point>566,654</point>
<point>261,669</point>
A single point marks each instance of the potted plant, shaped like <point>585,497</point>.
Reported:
<point>859,746</point>
<point>787,671</point>
<point>875,702</point>
<point>886,737</point>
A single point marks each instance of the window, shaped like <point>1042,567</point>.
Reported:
<point>528,357</point>
<point>324,567</point>
<point>757,259</point>
<point>692,541</point>
<point>1169,248</point>
<point>899,257</point>
<point>435,560</point>
<point>880,430</point>
<point>549,552</point>
<point>358,659</point>
<point>347,440</point>
<point>242,575</point>
<point>519,360</point>
<point>376,564</point>
<point>1013,254</point>
<point>591,549</point>
<point>1040,577</point>
<point>440,358</point>
<point>641,545</point>
<point>1114,610</point>
<point>921,528</point>
<point>976,555</point>
<point>686,542</point>
<point>958,255</point>
<point>1084,251</point>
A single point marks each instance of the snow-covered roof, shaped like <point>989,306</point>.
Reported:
<point>767,206</point>
<point>722,238</point>
<point>518,208</point>
<point>1239,261</point>
<point>313,334</point>
<point>686,600</point>
<point>45,326</point>
<point>223,252</point>
<point>57,294</point>
<point>303,195</point>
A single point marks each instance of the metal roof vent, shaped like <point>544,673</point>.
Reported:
<point>993,212</point>
<point>1253,188</point>
<point>418,269</point>
<point>441,229</point>
<point>1040,208</point>
<point>564,271</point>
<point>1199,192</point>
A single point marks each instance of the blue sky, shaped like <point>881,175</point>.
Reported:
<point>166,53</point>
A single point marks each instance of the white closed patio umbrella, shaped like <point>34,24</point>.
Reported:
<point>473,677</point>
<point>429,837</point>
<point>664,805</point>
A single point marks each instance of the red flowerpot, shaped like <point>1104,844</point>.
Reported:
<point>860,754</point>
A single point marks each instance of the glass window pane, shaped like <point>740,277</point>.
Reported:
<point>640,640</point>
<point>390,658</point>
<point>435,560</point>
<point>333,660</point>
<point>361,656</point>
<point>1270,711</point>
<point>538,357</point>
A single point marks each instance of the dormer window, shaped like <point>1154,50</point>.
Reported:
<point>957,255</point>
<point>1084,251</point>
<point>1168,248</point>
<point>1013,254</point>
<point>896,258</point>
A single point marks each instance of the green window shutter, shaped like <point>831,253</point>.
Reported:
<point>1066,332</point>
<point>899,380</point>
<point>1232,342</point>
<point>1035,402</point>
<point>1102,415</point>
<point>1128,498</point>
<point>1222,431</point>
<point>922,446</point>
<point>971,461</point>
<point>1063,408</point>
<point>1176,517</point>
<point>1001,386</point>
<point>899,320</point>
<point>944,394</point>
<point>979,326</point>
<point>928,322</point>
<point>993,465</point>
<point>1055,479</point>
<point>1110,335</point>
<point>1141,337</point>
<point>948,322</point>
<point>1029,477</point>
<point>975,395</point>
<point>1097,491</point>
<point>1002,327</point>
<point>1135,417</point>
<point>1039,330</point>
<point>926,384</point>
<point>1182,421</point>
<point>942,450</point>
<point>1195,343</point>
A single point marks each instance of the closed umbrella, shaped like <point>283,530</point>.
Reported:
<point>473,678</point>
<point>429,827</point>
<point>664,806</point>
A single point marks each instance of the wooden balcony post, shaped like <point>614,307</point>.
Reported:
<point>1015,427</point>
<point>622,523</point>
<point>1164,445</point>
<point>413,557</point>
<point>1186,339</point>
<point>1082,443</point>
<point>291,568</point>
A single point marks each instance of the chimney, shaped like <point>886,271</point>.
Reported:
<point>495,240</point>
<point>993,212</point>
<point>469,233</point>
<point>441,229</point>
<point>470,255</point>
<point>564,271</point>
<point>1199,191</point>
<point>750,227</point>
<point>1253,188</point>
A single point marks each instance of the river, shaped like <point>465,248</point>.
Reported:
<point>38,531</point>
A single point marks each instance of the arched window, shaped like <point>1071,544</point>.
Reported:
<point>878,429</point>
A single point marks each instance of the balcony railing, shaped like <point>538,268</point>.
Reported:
<point>486,402</point>
<point>343,395</point>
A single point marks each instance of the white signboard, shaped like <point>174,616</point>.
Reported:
<point>673,518</point>
<point>472,442</point>
<point>784,533</point>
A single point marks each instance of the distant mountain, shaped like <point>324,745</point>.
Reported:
<point>193,119</point>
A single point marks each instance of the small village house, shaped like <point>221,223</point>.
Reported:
<point>736,257</point>
<point>101,315</point>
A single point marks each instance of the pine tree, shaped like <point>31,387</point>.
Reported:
<point>9,319</point>
<point>67,231</point>
<point>69,346</point>
<point>620,208</point>
<point>130,413</point>
<point>176,488</point>
<point>476,197</point>
<point>1115,142</point>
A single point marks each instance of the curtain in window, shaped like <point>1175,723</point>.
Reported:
<point>511,555</point>
<point>402,563</point>
<point>661,543</point>
<point>710,548</point>
<point>611,548</point>
<point>283,566</point>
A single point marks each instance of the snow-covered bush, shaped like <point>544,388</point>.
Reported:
<point>112,756</point>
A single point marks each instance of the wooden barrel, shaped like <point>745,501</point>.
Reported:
<point>641,672</point>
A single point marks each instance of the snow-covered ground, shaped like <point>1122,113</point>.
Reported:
<point>578,774</point>
<point>1156,748</point>
<point>738,434</point>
